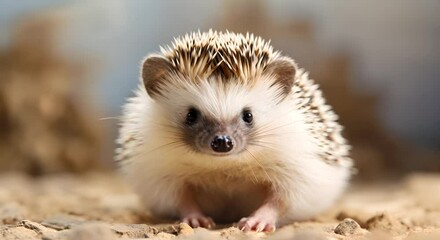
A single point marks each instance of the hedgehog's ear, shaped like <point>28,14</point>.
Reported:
<point>155,70</point>
<point>284,70</point>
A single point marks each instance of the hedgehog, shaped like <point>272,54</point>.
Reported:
<point>224,129</point>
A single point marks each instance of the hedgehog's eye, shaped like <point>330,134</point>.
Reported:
<point>192,116</point>
<point>247,116</point>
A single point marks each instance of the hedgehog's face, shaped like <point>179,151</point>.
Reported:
<point>212,117</point>
<point>219,91</point>
<point>214,114</point>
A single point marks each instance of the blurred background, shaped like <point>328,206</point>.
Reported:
<point>66,67</point>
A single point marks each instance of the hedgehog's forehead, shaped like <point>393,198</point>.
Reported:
<point>228,55</point>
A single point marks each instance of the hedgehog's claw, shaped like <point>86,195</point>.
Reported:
<point>262,220</point>
<point>255,224</point>
<point>198,220</point>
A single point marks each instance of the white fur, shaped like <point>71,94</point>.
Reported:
<point>288,159</point>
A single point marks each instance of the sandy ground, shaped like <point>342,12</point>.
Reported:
<point>100,206</point>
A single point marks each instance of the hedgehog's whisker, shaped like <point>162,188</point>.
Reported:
<point>268,135</point>
<point>175,144</point>
<point>261,166</point>
<point>252,170</point>
<point>267,130</point>
<point>271,132</point>
<point>268,127</point>
<point>177,139</point>
<point>263,144</point>
<point>172,131</point>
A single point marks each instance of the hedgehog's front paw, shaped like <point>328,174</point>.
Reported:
<point>264,219</point>
<point>256,223</point>
<point>198,220</point>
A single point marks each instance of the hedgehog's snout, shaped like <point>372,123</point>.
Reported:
<point>222,144</point>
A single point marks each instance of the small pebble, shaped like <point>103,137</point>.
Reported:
<point>347,227</point>
<point>185,229</point>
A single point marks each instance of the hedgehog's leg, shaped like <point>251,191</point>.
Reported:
<point>263,219</point>
<point>191,213</point>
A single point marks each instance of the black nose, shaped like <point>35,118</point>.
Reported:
<point>222,144</point>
